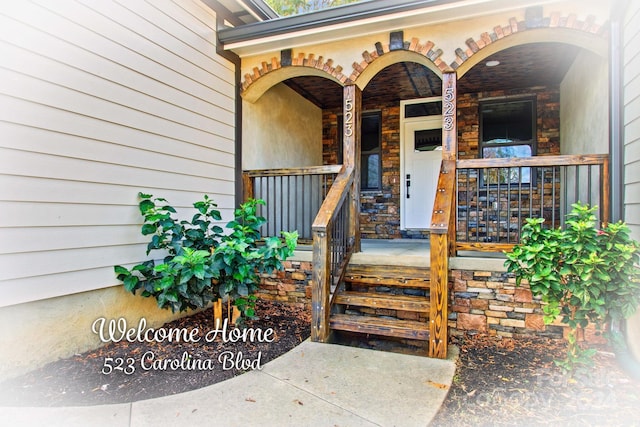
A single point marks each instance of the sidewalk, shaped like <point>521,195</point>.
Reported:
<point>312,385</point>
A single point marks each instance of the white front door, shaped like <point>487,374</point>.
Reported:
<point>422,154</point>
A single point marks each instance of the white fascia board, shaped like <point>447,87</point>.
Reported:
<point>397,21</point>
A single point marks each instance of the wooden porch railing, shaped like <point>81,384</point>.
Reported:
<point>333,242</point>
<point>495,196</point>
<point>293,196</point>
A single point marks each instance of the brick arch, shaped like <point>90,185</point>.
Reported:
<point>555,28</point>
<point>366,70</point>
<point>268,75</point>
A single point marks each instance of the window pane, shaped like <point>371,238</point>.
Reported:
<point>370,177</point>
<point>370,132</point>
<point>503,176</point>
<point>507,121</point>
<point>433,108</point>
<point>427,140</point>
<point>370,151</point>
<point>493,152</point>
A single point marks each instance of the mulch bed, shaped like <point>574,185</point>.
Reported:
<point>79,381</point>
<point>497,382</point>
<point>515,383</point>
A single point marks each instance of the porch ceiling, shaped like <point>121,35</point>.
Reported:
<point>537,64</point>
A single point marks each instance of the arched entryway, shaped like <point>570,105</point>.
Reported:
<point>540,93</point>
<point>397,86</point>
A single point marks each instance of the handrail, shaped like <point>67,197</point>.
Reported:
<point>305,170</point>
<point>505,162</point>
<point>328,268</point>
<point>335,197</point>
<point>442,239</point>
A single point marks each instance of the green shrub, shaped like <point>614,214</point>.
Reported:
<point>581,273</point>
<point>201,264</point>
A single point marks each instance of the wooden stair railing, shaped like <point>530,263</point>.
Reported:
<point>442,247</point>
<point>333,243</point>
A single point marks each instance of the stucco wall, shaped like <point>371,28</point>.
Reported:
<point>280,130</point>
<point>584,106</point>
<point>39,332</point>
<point>448,34</point>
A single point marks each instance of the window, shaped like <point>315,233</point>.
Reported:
<point>420,109</point>
<point>508,129</point>
<point>370,153</point>
<point>371,158</point>
<point>428,140</point>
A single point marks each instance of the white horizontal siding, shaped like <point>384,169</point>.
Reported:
<point>52,190</point>
<point>100,101</point>
<point>28,239</point>
<point>631,80</point>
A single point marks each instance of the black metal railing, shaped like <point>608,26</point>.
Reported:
<point>293,196</point>
<point>495,196</point>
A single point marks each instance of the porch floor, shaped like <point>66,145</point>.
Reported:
<point>411,253</point>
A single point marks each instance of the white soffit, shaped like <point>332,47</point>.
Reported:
<point>392,22</point>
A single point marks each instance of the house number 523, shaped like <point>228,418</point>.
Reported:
<point>348,117</point>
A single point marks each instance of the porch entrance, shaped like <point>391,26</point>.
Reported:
<point>422,154</point>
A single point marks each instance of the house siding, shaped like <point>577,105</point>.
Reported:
<point>102,100</point>
<point>631,117</point>
<point>631,112</point>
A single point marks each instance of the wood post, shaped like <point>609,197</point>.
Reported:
<point>233,313</point>
<point>441,247</point>
<point>450,143</point>
<point>438,334</point>
<point>321,287</point>
<point>449,117</point>
<point>352,106</point>
<point>443,231</point>
<point>217,313</point>
<point>247,183</point>
<point>605,185</point>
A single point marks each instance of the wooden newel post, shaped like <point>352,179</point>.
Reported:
<point>321,287</point>
<point>450,144</point>
<point>443,223</point>
<point>352,106</point>
<point>247,184</point>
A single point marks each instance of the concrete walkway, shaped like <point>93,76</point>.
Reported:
<point>312,385</point>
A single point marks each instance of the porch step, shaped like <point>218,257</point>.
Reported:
<point>388,275</point>
<point>384,300</point>
<point>380,326</point>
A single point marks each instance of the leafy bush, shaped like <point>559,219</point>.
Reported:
<point>581,273</point>
<point>200,263</point>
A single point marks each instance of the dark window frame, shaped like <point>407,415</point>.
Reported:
<point>364,155</point>
<point>378,150</point>
<point>533,142</point>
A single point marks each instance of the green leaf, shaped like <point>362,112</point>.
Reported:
<point>145,206</point>
<point>131,283</point>
<point>148,229</point>
<point>198,271</point>
<point>120,270</point>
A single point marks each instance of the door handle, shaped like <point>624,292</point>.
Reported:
<point>408,184</point>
